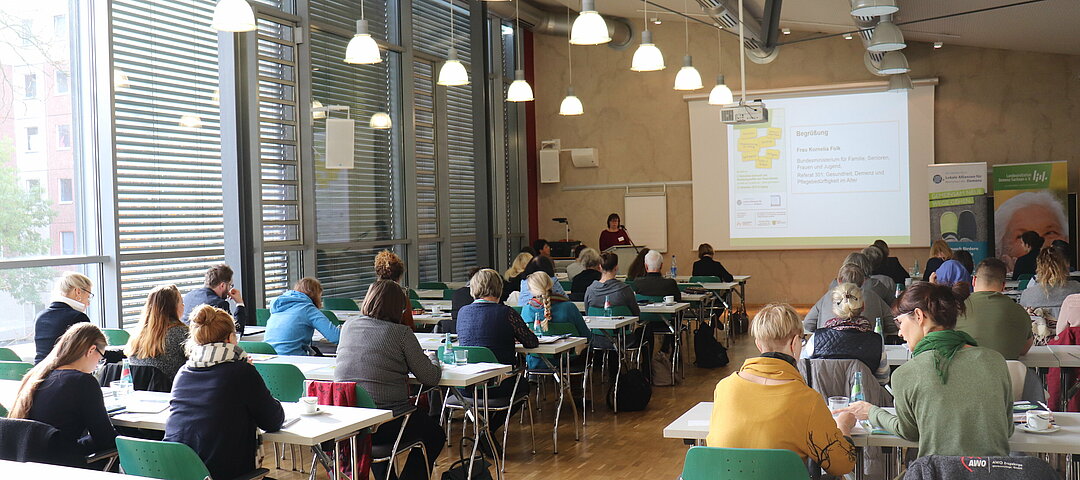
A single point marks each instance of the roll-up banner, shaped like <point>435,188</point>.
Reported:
<point>958,207</point>
<point>1029,197</point>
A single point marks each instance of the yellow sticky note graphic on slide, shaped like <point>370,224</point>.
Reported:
<point>773,133</point>
<point>763,162</point>
<point>748,133</point>
<point>765,142</point>
<point>772,154</point>
<point>746,146</point>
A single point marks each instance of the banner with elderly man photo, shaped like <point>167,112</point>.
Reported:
<point>958,207</point>
<point>1029,197</point>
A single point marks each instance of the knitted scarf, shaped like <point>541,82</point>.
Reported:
<point>859,324</point>
<point>945,343</point>
<point>202,356</point>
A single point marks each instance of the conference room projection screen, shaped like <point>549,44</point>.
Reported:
<point>833,167</point>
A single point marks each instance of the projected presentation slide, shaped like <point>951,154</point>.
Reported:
<point>824,170</point>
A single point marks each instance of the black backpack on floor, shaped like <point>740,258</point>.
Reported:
<point>708,352</point>
<point>634,392</point>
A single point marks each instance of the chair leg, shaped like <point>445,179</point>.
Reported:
<point>532,426</point>
<point>277,457</point>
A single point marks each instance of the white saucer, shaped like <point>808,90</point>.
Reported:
<point>318,411</point>
<point>1026,428</point>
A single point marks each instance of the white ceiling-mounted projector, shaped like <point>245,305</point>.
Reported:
<point>749,112</point>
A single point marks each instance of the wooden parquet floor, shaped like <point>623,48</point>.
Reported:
<point>626,445</point>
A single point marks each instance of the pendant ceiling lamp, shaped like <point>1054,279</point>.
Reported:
<point>720,94</point>
<point>317,110</point>
<point>120,79</point>
<point>873,8</point>
<point>571,104</point>
<point>647,58</point>
<point>886,37</point>
<point>233,16</point>
<point>589,27</point>
<point>452,73</point>
<point>520,90</point>
<point>894,63</point>
<point>688,77</point>
<point>362,49</point>
<point>900,83</point>
<point>381,121</point>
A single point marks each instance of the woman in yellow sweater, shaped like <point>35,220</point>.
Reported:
<point>787,413</point>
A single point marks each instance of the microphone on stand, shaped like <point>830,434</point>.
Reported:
<point>622,227</point>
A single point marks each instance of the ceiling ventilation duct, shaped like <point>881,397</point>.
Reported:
<point>759,48</point>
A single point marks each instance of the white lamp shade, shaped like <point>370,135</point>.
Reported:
<point>362,49</point>
<point>887,37</point>
<point>571,105</point>
<point>381,121</point>
<point>900,83</point>
<point>453,72</point>
<point>317,110</point>
<point>233,16</point>
<point>190,121</point>
<point>721,94</point>
<point>873,8</point>
<point>688,77</point>
<point>520,90</point>
<point>894,63</point>
<point>647,57</point>
<point>589,27</point>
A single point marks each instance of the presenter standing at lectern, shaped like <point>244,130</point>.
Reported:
<point>614,234</point>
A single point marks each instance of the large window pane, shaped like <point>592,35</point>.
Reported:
<point>347,273</point>
<point>26,291</point>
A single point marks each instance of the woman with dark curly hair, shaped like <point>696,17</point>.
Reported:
<point>388,266</point>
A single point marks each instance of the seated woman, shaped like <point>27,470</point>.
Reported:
<point>219,400</point>
<point>849,334</point>
<point>69,301</point>
<point>590,259</point>
<point>1026,264</point>
<point>540,263</point>
<point>577,266</point>
<point>707,267</point>
<point>160,341</point>
<point>965,259</point>
<point>294,317</point>
<point>379,353</point>
<point>488,323</point>
<point>949,374</point>
<point>515,274</point>
<point>952,273</point>
<point>388,266</point>
<point>873,306</point>
<point>939,252</point>
<point>787,413</point>
<point>550,307</point>
<point>60,391</point>
<point>637,267</point>
<point>1052,283</point>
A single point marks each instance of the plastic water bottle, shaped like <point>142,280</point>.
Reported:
<point>915,270</point>
<point>538,325</point>
<point>674,269</point>
<point>879,328</point>
<point>857,389</point>
<point>448,351</point>
<point>607,306</point>
<point>125,372</point>
<point>899,291</point>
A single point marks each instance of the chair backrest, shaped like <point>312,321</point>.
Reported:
<point>3,411</point>
<point>261,316</point>
<point>518,308</point>
<point>1017,374</point>
<point>9,355</point>
<point>330,315</point>
<point>476,354</point>
<point>156,459</point>
<point>709,463</point>
<point>416,305</point>
<point>340,304</point>
<point>285,381</point>
<point>566,284</point>
<point>650,317</point>
<point>941,467</point>
<point>704,279</point>
<point>413,295</point>
<point>1023,281</point>
<point>448,294</point>
<point>563,328</point>
<point>257,347</point>
<point>833,377</point>
<point>431,286</point>
<point>650,298</point>
<point>616,310</point>
<point>116,336</point>
<point>23,440</point>
<point>14,370</point>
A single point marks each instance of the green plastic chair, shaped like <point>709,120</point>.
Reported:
<point>705,279</point>
<point>261,316</point>
<point>3,411</point>
<point>476,354</point>
<point>684,286</point>
<point>340,304</point>
<point>1024,281</point>
<point>563,328</point>
<point>164,460</point>
<point>448,294</point>
<point>710,463</point>
<point>116,336</point>
<point>431,286</point>
<point>566,284</point>
<point>258,347</point>
<point>413,295</point>
<point>332,317</point>
<point>416,305</point>
<point>9,355</point>
<point>285,381</point>
<point>616,311</point>
<point>515,307</point>
<point>14,370</point>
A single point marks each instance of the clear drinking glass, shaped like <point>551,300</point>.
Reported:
<point>836,403</point>
<point>461,356</point>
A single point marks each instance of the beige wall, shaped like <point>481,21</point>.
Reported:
<point>992,105</point>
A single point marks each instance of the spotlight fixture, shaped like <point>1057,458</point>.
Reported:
<point>847,36</point>
<point>786,31</point>
<point>938,45</point>
<point>656,20</point>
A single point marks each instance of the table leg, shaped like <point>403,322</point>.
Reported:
<point>337,462</point>
<point>1063,402</point>
<point>496,456</point>
<point>859,475</point>
<point>352,454</point>
<point>568,386</point>
<point>476,428</point>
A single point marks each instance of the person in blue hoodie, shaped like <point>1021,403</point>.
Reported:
<point>294,317</point>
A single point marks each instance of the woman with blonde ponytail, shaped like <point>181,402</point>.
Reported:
<point>60,391</point>
<point>849,335</point>
<point>550,307</point>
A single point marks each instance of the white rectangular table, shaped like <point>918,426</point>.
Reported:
<point>24,470</point>
<point>1037,357</point>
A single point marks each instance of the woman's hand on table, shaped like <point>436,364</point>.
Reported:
<point>845,421</point>
<point>861,410</point>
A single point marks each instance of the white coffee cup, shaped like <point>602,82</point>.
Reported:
<point>1038,419</point>
<point>670,299</point>
<point>309,404</point>
<point>435,309</point>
